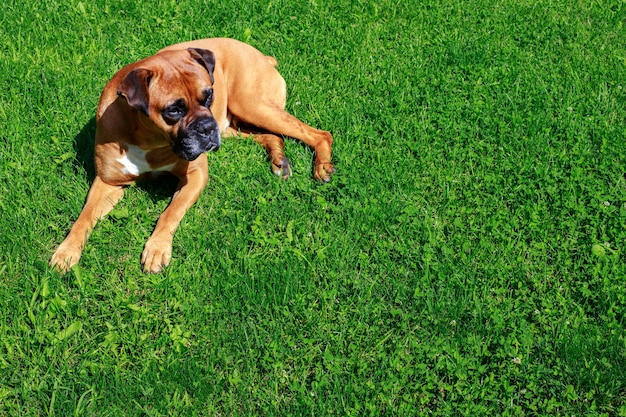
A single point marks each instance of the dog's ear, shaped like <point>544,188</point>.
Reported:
<point>134,89</point>
<point>205,58</point>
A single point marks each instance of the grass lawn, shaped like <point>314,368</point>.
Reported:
<point>468,258</point>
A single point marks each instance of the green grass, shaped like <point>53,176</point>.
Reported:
<point>466,259</point>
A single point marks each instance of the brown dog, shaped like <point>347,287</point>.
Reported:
<point>164,112</point>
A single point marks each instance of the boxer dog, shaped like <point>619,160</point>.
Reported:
<point>163,113</point>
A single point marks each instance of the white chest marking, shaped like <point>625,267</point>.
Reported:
<point>134,161</point>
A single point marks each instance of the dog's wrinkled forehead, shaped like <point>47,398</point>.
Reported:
<point>174,74</point>
<point>190,63</point>
<point>185,77</point>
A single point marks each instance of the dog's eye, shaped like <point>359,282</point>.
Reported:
<point>173,113</point>
<point>208,97</point>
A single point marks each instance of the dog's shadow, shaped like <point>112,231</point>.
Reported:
<point>84,147</point>
<point>158,189</point>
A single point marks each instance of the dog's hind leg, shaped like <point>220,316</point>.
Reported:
<point>272,118</point>
<point>274,146</point>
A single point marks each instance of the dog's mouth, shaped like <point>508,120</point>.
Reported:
<point>200,136</point>
<point>190,150</point>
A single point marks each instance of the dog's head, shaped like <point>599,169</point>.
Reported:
<point>174,90</point>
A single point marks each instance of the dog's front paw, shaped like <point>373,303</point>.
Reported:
<point>323,171</point>
<point>156,255</point>
<point>65,257</point>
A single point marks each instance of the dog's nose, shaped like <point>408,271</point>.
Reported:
<point>205,126</point>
